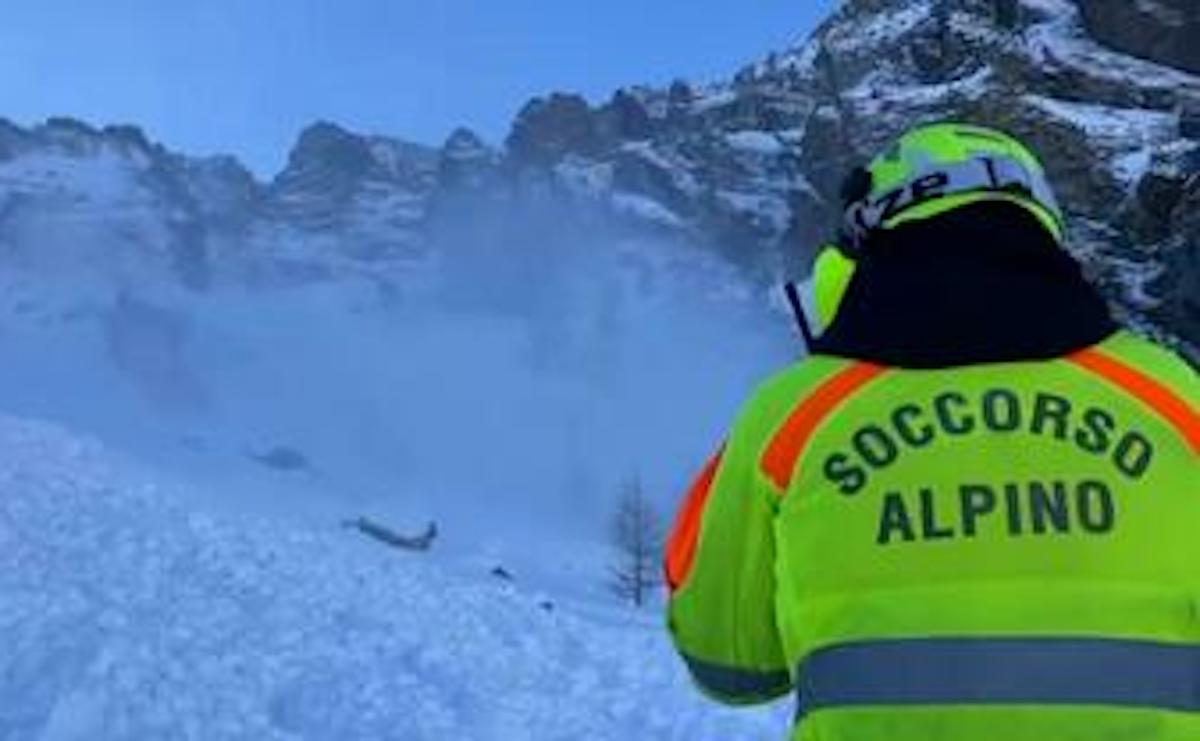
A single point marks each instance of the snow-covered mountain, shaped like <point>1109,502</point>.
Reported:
<point>1109,93</point>
<point>79,201</point>
<point>748,167</point>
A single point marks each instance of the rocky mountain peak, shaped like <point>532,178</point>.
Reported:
<point>467,162</point>
<point>340,159</point>
<point>335,178</point>
<point>547,129</point>
<point>625,117</point>
<point>128,136</point>
<point>74,138</point>
<point>464,145</point>
<point>68,135</point>
<point>328,156</point>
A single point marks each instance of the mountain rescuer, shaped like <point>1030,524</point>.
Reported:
<point>973,513</point>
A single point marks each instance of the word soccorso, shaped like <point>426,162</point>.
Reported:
<point>1018,508</point>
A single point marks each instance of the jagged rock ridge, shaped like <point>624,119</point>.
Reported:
<point>1107,92</point>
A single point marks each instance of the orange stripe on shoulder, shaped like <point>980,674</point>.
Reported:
<point>788,444</point>
<point>1151,392</point>
<point>681,546</point>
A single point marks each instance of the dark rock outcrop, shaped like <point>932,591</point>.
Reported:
<point>1164,31</point>
<point>547,129</point>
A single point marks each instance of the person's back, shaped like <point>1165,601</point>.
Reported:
<point>973,513</point>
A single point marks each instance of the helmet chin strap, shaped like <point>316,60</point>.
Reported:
<point>982,174</point>
<point>793,297</point>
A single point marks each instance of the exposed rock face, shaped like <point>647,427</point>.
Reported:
<point>1181,276</point>
<point>466,163</point>
<point>753,166</point>
<point>365,195</point>
<point>1105,90</point>
<point>1161,30</point>
<point>324,172</point>
<point>549,128</point>
<point>331,168</point>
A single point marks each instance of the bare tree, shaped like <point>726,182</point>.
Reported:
<point>637,532</point>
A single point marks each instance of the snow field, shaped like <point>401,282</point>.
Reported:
<point>125,616</point>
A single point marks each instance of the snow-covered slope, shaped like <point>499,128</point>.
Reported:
<point>126,616</point>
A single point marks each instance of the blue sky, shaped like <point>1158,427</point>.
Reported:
<point>244,76</point>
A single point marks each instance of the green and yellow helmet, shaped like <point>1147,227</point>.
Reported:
<point>930,171</point>
<point>937,168</point>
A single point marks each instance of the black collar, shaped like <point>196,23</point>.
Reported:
<point>982,284</point>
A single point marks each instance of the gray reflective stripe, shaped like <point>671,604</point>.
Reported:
<point>1032,671</point>
<point>738,683</point>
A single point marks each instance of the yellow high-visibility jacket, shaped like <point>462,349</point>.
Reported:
<point>1000,551</point>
